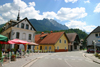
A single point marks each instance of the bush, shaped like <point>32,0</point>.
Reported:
<point>96,54</point>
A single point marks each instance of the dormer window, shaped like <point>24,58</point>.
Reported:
<point>27,26</point>
<point>22,25</point>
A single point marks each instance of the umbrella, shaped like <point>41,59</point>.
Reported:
<point>33,43</point>
<point>3,39</point>
<point>17,41</point>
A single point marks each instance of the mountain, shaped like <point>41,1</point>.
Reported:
<point>46,24</point>
<point>1,25</point>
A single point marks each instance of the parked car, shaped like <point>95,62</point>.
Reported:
<point>92,51</point>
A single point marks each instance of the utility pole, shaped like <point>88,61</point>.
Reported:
<point>94,46</point>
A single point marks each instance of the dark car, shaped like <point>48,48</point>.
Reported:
<point>92,51</point>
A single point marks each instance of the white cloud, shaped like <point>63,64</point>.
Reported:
<point>80,25</point>
<point>88,1</point>
<point>10,10</point>
<point>2,21</point>
<point>32,4</point>
<point>73,1</point>
<point>71,14</point>
<point>97,8</point>
<point>49,15</point>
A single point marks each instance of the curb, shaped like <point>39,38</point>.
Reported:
<point>33,60</point>
<point>29,62</point>
<point>92,59</point>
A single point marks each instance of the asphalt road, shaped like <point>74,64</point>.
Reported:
<point>65,59</point>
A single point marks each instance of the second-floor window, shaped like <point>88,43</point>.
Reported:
<point>29,36</point>
<point>22,25</point>
<point>60,41</point>
<point>17,35</point>
<point>27,26</point>
<point>64,41</point>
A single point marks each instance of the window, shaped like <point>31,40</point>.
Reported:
<point>37,47</point>
<point>31,28</point>
<point>49,47</point>
<point>65,48</point>
<point>29,36</point>
<point>60,41</point>
<point>22,25</point>
<point>96,35</point>
<point>29,46</point>
<point>45,47</point>
<point>57,47</point>
<point>27,26</point>
<point>64,41</point>
<point>17,35</point>
<point>24,36</point>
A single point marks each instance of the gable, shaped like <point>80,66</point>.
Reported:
<point>25,21</point>
<point>62,38</point>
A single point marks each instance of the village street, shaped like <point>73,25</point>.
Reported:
<point>65,59</point>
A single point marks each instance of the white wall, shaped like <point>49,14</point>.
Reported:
<point>91,38</point>
<point>21,31</point>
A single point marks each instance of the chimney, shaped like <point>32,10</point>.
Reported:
<point>42,32</point>
<point>51,31</point>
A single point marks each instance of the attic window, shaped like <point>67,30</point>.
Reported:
<point>60,41</point>
<point>22,25</point>
<point>27,26</point>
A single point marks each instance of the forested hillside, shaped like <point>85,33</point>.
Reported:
<point>82,34</point>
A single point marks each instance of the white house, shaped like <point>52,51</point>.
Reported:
<point>94,35</point>
<point>19,29</point>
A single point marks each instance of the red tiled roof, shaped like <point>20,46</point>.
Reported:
<point>51,38</point>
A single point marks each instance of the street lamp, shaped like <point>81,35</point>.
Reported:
<point>94,46</point>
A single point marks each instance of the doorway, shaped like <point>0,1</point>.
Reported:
<point>40,47</point>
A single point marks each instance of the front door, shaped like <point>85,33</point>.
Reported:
<point>40,47</point>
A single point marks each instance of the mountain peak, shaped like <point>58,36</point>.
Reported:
<point>47,24</point>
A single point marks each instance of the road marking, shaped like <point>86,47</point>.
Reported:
<point>68,64</point>
<point>59,58</point>
<point>89,61</point>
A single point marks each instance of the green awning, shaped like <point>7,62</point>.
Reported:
<point>3,38</point>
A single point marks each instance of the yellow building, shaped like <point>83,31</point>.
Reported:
<point>55,42</point>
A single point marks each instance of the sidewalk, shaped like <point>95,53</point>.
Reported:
<point>23,61</point>
<point>92,57</point>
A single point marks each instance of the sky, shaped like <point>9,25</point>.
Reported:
<point>76,14</point>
